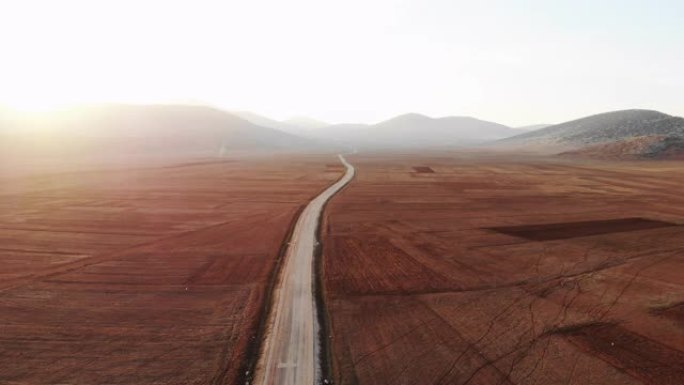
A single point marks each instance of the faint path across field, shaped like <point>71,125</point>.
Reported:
<point>289,354</point>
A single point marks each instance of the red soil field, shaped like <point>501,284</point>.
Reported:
<point>154,275</point>
<point>495,270</point>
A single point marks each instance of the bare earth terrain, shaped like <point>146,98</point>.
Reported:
<point>467,270</point>
<point>147,276</point>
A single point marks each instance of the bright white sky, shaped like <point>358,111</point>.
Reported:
<point>516,62</point>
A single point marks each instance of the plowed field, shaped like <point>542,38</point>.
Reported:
<point>152,275</point>
<point>506,271</point>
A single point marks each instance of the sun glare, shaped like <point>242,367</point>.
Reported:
<point>33,107</point>
<point>301,57</point>
<point>36,103</point>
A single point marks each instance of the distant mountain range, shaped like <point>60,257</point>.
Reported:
<point>299,125</point>
<point>420,131</point>
<point>132,129</point>
<point>402,132</point>
<point>199,131</point>
<point>618,134</point>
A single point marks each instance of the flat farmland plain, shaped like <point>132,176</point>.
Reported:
<point>152,275</point>
<point>489,270</point>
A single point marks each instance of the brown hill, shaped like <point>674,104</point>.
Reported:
<point>602,128</point>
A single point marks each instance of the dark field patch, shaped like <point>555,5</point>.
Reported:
<point>641,357</point>
<point>675,312</point>
<point>567,230</point>
<point>424,170</point>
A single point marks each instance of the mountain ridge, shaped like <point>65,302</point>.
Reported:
<point>163,128</point>
<point>601,128</point>
<point>414,130</point>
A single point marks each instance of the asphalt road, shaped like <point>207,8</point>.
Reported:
<point>290,349</point>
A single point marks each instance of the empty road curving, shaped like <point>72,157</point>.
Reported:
<point>289,354</point>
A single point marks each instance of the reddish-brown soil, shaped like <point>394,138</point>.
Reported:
<point>423,170</point>
<point>153,275</point>
<point>506,271</point>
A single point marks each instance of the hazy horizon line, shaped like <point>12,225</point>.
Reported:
<point>235,111</point>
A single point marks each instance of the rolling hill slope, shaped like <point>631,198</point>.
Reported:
<point>656,147</point>
<point>132,129</point>
<point>601,128</point>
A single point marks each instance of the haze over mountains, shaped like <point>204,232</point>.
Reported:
<point>533,127</point>
<point>298,125</point>
<point>305,122</point>
<point>170,130</point>
<point>402,132</point>
<point>199,131</point>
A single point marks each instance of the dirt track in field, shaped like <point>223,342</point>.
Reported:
<point>155,275</point>
<point>506,271</point>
